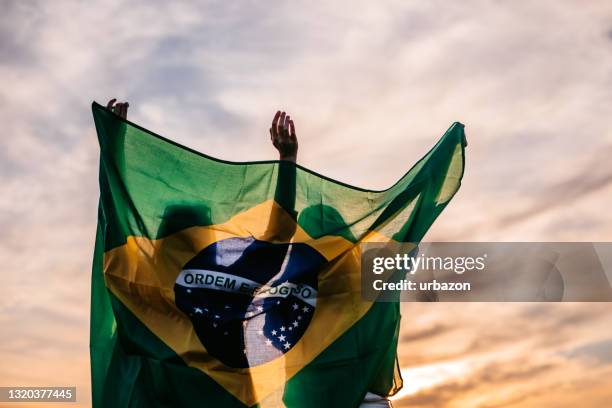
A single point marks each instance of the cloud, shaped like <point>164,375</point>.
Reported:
<point>600,351</point>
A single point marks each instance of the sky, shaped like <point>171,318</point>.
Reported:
<point>371,87</point>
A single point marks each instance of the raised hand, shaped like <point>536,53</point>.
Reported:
<point>282,134</point>
<point>119,109</point>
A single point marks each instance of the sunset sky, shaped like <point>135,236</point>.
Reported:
<point>371,87</point>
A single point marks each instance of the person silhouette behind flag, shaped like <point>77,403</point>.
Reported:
<point>284,139</point>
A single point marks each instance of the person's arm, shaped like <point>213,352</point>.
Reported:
<point>119,109</point>
<point>284,139</point>
<point>282,134</point>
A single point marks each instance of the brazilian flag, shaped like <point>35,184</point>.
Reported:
<point>221,284</point>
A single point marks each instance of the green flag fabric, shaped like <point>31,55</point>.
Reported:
<point>221,284</point>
